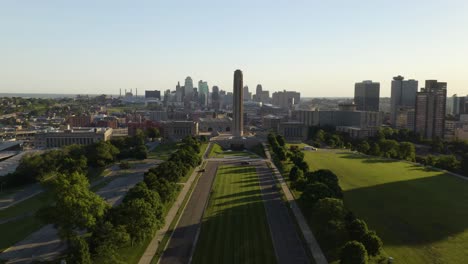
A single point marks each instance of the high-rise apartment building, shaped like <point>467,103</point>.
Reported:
<point>238,103</point>
<point>366,96</point>
<point>403,96</point>
<point>430,109</point>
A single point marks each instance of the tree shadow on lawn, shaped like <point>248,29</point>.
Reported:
<point>413,212</point>
<point>239,194</point>
<point>368,159</point>
<point>237,234</point>
<point>239,170</point>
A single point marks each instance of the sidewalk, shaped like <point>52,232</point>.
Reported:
<point>309,237</point>
<point>153,245</point>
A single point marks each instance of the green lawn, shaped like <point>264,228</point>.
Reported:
<point>163,151</point>
<point>420,214</point>
<point>235,228</point>
<point>218,152</point>
<point>12,232</point>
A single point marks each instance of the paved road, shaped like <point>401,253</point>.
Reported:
<point>309,237</point>
<point>44,244</point>
<point>286,240</point>
<point>180,247</point>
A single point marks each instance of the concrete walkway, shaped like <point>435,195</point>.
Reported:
<point>154,244</point>
<point>309,237</point>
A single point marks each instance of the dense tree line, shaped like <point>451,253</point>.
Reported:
<point>136,219</point>
<point>344,236</point>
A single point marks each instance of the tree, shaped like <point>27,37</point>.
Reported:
<point>316,191</point>
<point>101,153</point>
<point>328,178</point>
<point>375,149</point>
<point>357,229</point>
<point>372,242</point>
<point>295,173</point>
<point>407,151</point>
<point>320,135</point>
<point>78,251</point>
<point>447,162</point>
<point>353,252</point>
<point>105,241</point>
<point>76,206</point>
<point>328,209</point>
<point>138,218</point>
<point>389,148</point>
<point>141,191</point>
<point>152,133</point>
<point>280,140</point>
<point>363,147</point>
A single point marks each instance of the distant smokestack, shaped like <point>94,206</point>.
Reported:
<point>136,92</point>
<point>120,92</point>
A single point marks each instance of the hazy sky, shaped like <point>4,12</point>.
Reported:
<point>320,48</point>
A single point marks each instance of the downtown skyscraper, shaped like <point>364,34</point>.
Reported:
<point>367,96</point>
<point>402,102</point>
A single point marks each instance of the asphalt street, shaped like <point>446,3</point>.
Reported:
<point>179,249</point>
<point>288,245</point>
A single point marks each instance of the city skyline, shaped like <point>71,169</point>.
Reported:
<point>318,49</point>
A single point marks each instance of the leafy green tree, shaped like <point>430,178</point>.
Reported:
<point>272,140</point>
<point>316,191</point>
<point>295,173</point>
<point>357,229</point>
<point>280,140</point>
<point>141,191</point>
<point>101,153</point>
<point>152,133</point>
<point>389,148</point>
<point>328,209</point>
<point>375,150</point>
<point>363,147</point>
<point>78,251</point>
<point>105,241</point>
<point>372,242</point>
<point>447,162</point>
<point>76,207</point>
<point>407,151</point>
<point>353,252</point>
<point>319,135</point>
<point>328,178</point>
<point>138,218</point>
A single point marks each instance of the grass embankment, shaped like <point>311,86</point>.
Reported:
<point>420,214</point>
<point>235,228</point>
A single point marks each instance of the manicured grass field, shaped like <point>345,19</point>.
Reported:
<point>217,152</point>
<point>420,214</point>
<point>235,228</point>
